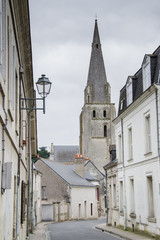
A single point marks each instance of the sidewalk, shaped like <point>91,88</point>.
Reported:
<point>120,233</point>
<point>40,232</point>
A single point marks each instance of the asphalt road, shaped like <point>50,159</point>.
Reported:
<point>78,230</point>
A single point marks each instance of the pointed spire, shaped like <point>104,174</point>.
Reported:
<point>96,89</point>
<point>96,39</point>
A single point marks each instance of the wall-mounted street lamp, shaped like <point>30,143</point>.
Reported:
<point>43,86</point>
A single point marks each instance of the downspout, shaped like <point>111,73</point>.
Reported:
<point>158,147</point>
<point>20,151</point>
<point>124,181</point>
<point>106,202</point>
<point>3,147</point>
<point>29,169</point>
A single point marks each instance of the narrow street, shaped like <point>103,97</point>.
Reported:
<point>78,230</point>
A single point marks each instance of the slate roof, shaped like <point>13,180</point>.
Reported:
<point>68,174</point>
<point>137,86</point>
<point>65,153</point>
<point>97,75</point>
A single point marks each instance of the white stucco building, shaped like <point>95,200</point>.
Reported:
<point>137,131</point>
<point>16,82</point>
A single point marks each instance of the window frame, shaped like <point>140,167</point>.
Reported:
<point>146,73</point>
<point>129,91</point>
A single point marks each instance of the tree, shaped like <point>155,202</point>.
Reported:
<point>43,152</point>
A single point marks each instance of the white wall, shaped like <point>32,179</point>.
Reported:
<point>84,197</point>
<point>142,165</point>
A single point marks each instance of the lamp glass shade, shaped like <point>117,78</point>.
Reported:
<point>43,86</point>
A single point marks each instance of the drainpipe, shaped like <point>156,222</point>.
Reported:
<point>158,147</point>
<point>32,213</point>
<point>124,181</point>
<point>106,202</point>
<point>3,147</point>
<point>20,152</point>
<point>29,168</point>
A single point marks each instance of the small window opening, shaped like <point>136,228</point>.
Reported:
<point>96,45</point>
<point>104,113</point>
<point>105,131</point>
<point>91,209</point>
<point>94,113</point>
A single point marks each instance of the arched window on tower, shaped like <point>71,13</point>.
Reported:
<point>94,113</point>
<point>104,113</point>
<point>105,131</point>
<point>88,99</point>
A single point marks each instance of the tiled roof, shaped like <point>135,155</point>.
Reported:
<point>138,80</point>
<point>67,173</point>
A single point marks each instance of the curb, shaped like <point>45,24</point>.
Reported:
<point>113,233</point>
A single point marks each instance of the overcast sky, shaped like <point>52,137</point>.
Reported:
<point>62,33</point>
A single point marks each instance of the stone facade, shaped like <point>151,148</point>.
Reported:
<point>96,130</point>
<point>63,200</point>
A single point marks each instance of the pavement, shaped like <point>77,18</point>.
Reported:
<point>41,232</point>
<point>126,235</point>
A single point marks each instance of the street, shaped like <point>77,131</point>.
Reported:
<point>78,230</point>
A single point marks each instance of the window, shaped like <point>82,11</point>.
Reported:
<point>129,91</point>
<point>114,196</point>
<point>130,148</point>
<point>94,113</point>
<point>44,196</point>
<point>23,197</point>
<point>79,210</point>
<point>122,104</point>
<point>146,71</point>
<point>121,197</point>
<point>148,134</point>
<point>105,131</point>
<point>91,209</point>
<point>110,196</point>
<point>150,197</point>
<point>104,113</point>
<point>88,99</point>
<point>120,147</point>
<point>97,193</point>
<point>132,201</point>
<point>11,69</point>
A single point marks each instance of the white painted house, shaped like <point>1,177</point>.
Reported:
<point>67,191</point>
<point>137,131</point>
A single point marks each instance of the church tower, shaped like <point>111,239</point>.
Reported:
<point>96,130</point>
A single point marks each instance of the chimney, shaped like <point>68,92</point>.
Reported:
<point>52,153</point>
<point>79,164</point>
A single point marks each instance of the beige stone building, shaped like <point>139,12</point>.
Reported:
<point>68,192</point>
<point>96,129</point>
<point>16,82</point>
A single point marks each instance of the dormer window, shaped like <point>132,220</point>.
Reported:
<point>122,104</point>
<point>129,91</point>
<point>146,71</point>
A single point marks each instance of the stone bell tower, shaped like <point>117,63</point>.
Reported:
<point>96,130</point>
